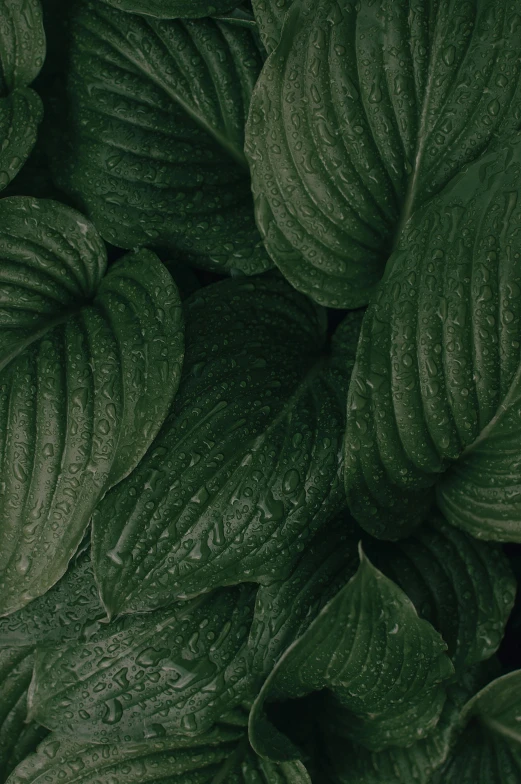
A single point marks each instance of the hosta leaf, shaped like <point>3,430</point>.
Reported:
<point>285,609</point>
<point>22,51</point>
<point>465,588</point>
<point>245,469</point>
<point>349,763</point>
<point>222,756</point>
<point>436,387</point>
<point>17,739</point>
<point>88,368</point>
<point>172,9</point>
<point>383,665</point>
<point>364,111</point>
<point>66,611</point>
<point>269,15</point>
<point>156,113</point>
<point>174,671</point>
<point>489,751</point>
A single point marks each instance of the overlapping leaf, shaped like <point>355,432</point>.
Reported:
<point>436,386</point>
<point>174,671</point>
<point>364,111</point>
<point>245,470</point>
<point>155,133</point>
<point>173,9</point>
<point>382,665</point>
<point>22,52</point>
<point>17,739</point>
<point>88,368</point>
<point>489,751</point>
<point>269,15</point>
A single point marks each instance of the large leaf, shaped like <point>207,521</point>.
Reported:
<point>175,671</point>
<point>222,756</point>
<point>370,650</point>
<point>17,739</point>
<point>172,9</point>
<point>22,51</point>
<point>245,469</point>
<point>269,15</point>
<point>489,751</point>
<point>436,387</point>
<point>88,368</point>
<point>155,133</point>
<point>365,110</point>
<point>465,588</point>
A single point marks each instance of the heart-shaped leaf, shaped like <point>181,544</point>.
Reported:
<point>363,112</point>
<point>17,739</point>
<point>245,469</point>
<point>381,663</point>
<point>155,133</point>
<point>88,369</point>
<point>174,671</point>
<point>436,387</point>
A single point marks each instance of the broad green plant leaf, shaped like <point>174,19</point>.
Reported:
<point>89,364</point>
<point>175,671</point>
<point>435,394</point>
<point>173,9</point>
<point>245,469</point>
<point>221,756</point>
<point>463,587</point>
<point>269,15</point>
<point>363,112</point>
<point>22,52</point>
<point>155,133</point>
<point>489,751</point>
<point>17,739</point>
<point>382,665</point>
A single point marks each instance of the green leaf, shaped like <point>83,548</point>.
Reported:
<point>463,587</point>
<point>489,751</point>
<point>175,671</point>
<point>155,134</point>
<point>22,52</point>
<point>382,665</point>
<point>349,763</point>
<point>436,387</point>
<point>285,609</point>
<point>245,469</point>
<point>221,756</point>
<point>173,9</point>
<point>269,15</point>
<point>68,610</point>
<point>88,369</point>
<point>17,739</point>
<point>362,113</point>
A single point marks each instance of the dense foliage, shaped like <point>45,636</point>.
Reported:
<point>260,391</point>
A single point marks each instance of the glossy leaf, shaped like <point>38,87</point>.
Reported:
<point>221,756</point>
<point>245,470</point>
<point>20,114</point>
<point>17,739</point>
<point>173,9</point>
<point>489,751</point>
<point>88,368</point>
<point>174,671</point>
<point>269,15</point>
<point>155,129</point>
<point>440,393</point>
<point>381,663</point>
<point>464,587</point>
<point>362,113</point>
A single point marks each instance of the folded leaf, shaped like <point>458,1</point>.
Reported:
<point>465,588</point>
<point>17,739</point>
<point>245,469</point>
<point>222,756</point>
<point>155,133</point>
<point>175,671</point>
<point>436,387</point>
<point>88,369</point>
<point>363,112</point>
<point>489,751</point>
<point>172,9</point>
<point>383,665</point>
